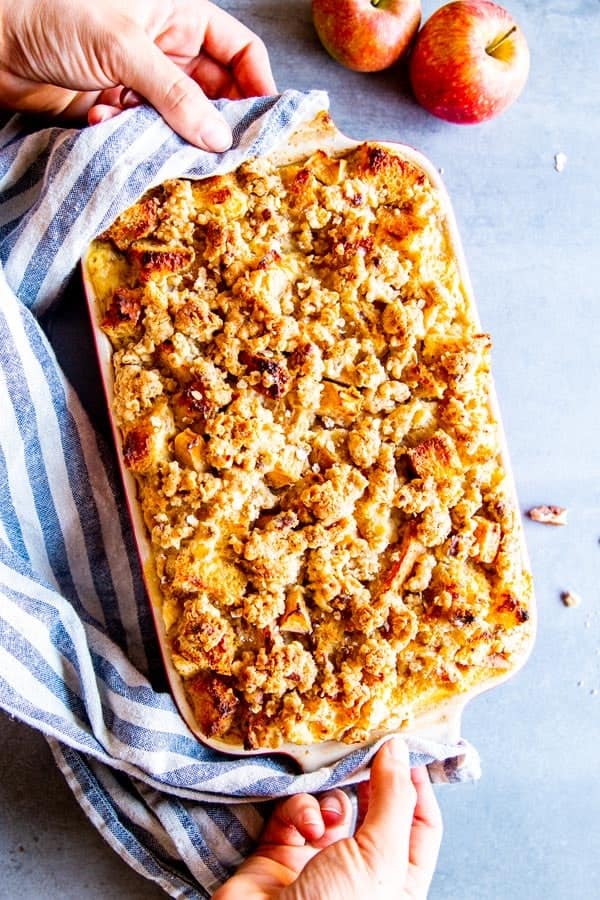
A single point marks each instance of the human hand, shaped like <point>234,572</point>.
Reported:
<point>95,57</point>
<point>305,851</point>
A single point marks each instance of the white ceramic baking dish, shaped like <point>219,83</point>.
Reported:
<point>443,723</point>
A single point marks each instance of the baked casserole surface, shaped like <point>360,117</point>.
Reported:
<point>303,394</point>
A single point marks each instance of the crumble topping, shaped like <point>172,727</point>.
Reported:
<point>302,390</point>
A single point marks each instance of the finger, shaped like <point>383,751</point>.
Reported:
<point>144,68</point>
<point>235,46</point>
<point>252,71</point>
<point>110,103</point>
<point>295,821</point>
<point>102,112</point>
<point>426,834</point>
<point>111,96</point>
<point>214,79</point>
<point>336,811</point>
<point>335,808</point>
<point>77,106</point>
<point>384,835</point>
<point>362,797</point>
<point>128,99</point>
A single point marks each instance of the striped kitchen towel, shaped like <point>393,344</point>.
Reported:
<point>78,656</point>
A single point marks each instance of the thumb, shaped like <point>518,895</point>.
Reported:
<point>175,95</point>
<point>385,833</point>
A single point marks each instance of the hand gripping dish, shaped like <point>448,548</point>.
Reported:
<point>319,487</point>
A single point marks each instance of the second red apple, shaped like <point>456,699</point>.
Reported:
<point>469,62</point>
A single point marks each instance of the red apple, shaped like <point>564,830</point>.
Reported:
<point>469,62</point>
<point>366,35</point>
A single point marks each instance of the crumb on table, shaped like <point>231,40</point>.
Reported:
<point>548,515</point>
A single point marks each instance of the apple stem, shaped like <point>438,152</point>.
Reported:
<point>495,44</point>
<point>375,2</point>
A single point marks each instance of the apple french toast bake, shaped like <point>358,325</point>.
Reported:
<point>303,395</point>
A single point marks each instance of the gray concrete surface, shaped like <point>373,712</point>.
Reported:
<point>530,828</point>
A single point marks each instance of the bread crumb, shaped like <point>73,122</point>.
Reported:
<point>570,599</point>
<point>548,515</point>
<point>560,161</point>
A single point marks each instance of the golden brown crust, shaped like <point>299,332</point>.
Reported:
<point>135,223</point>
<point>303,394</point>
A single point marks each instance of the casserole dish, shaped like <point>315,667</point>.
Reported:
<point>311,449</point>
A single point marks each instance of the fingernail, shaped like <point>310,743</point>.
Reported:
<point>397,748</point>
<point>311,817</point>
<point>216,135</point>
<point>129,98</point>
<point>332,805</point>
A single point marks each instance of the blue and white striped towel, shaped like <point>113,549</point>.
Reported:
<point>78,658</point>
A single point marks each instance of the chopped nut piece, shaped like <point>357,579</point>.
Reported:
<point>570,599</point>
<point>549,515</point>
